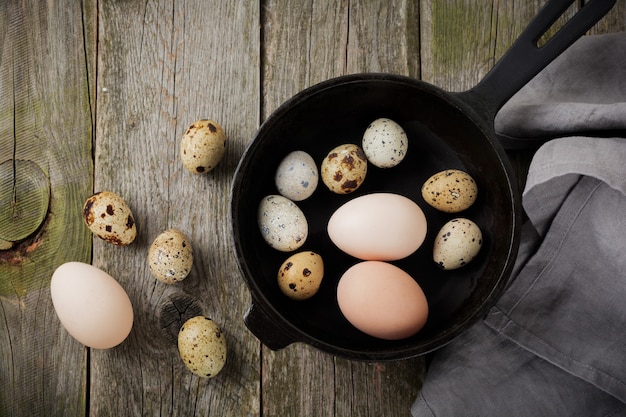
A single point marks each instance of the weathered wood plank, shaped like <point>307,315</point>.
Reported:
<point>162,65</point>
<point>46,81</point>
<point>335,38</point>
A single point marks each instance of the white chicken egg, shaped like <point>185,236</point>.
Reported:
<point>378,226</point>
<point>91,305</point>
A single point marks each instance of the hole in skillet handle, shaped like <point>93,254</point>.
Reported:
<point>525,58</point>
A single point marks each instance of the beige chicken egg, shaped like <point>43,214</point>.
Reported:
<point>450,191</point>
<point>457,243</point>
<point>202,146</point>
<point>170,256</point>
<point>300,276</point>
<point>344,169</point>
<point>378,227</point>
<point>108,216</point>
<point>91,305</point>
<point>382,300</point>
<point>202,346</point>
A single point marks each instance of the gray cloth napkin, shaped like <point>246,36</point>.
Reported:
<point>583,91</point>
<point>555,343</point>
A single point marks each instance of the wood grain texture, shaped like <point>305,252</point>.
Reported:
<point>97,94</point>
<point>162,65</point>
<point>46,89</point>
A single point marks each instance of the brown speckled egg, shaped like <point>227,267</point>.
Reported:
<point>170,256</point>
<point>202,146</point>
<point>457,243</point>
<point>300,276</point>
<point>202,346</point>
<point>108,216</point>
<point>450,191</point>
<point>343,170</point>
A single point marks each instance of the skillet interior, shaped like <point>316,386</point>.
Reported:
<point>441,136</point>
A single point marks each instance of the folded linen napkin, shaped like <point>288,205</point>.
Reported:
<point>555,343</point>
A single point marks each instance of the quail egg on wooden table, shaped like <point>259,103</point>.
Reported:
<point>344,168</point>
<point>109,217</point>
<point>297,176</point>
<point>457,243</point>
<point>202,346</point>
<point>282,224</point>
<point>300,276</point>
<point>385,143</point>
<point>91,305</point>
<point>170,256</point>
<point>202,146</point>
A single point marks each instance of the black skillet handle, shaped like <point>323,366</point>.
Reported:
<point>263,327</point>
<point>525,59</point>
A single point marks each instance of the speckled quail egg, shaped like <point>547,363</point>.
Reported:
<point>109,217</point>
<point>170,256</point>
<point>202,346</point>
<point>450,191</point>
<point>282,224</point>
<point>457,243</point>
<point>202,146</point>
<point>296,176</point>
<point>343,170</point>
<point>385,143</point>
<point>300,276</point>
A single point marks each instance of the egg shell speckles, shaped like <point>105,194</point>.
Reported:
<point>457,243</point>
<point>344,169</point>
<point>450,191</point>
<point>300,276</point>
<point>109,217</point>
<point>202,146</point>
<point>170,256</point>
<point>297,176</point>
<point>385,143</point>
<point>202,346</point>
<point>282,224</point>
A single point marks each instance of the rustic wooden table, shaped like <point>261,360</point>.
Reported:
<point>95,95</point>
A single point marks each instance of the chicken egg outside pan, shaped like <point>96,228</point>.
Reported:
<point>91,305</point>
<point>382,300</point>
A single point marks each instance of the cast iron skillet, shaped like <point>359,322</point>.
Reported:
<point>445,130</point>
